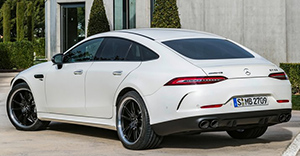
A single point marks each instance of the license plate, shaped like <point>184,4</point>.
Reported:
<point>250,101</point>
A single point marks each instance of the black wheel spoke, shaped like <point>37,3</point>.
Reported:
<point>22,97</point>
<point>126,129</point>
<point>126,118</point>
<point>30,118</point>
<point>29,97</point>
<point>16,109</point>
<point>132,107</point>
<point>127,111</point>
<point>129,133</point>
<point>135,134</point>
<point>19,103</point>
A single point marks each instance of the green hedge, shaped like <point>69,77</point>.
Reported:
<point>165,14</point>
<point>293,72</point>
<point>16,55</point>
<point>98,22</point>
<point>39,47</point>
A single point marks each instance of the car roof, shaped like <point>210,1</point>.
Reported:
<point>164,34</point>
<point>170,34</point>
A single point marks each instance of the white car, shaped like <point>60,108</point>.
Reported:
<point>148,83</point>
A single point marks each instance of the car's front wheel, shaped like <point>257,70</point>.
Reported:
<point>250,133</point>
<point>133,125</point>
<point>21,109</point>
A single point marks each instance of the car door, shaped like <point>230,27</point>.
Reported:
<point>116,59</point>
<point>65,87</point>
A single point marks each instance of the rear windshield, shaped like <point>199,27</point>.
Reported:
<point>202,49</point>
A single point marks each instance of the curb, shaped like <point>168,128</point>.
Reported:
<point>293,148</point>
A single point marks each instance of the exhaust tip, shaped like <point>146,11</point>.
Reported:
<point>288,117</point>
<point>282,117</point>
<point>204,124</point>
<point>214,124</point>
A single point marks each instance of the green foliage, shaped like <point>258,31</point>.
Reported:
<point>20,20</point>
<point>4,58</point>
<point>6,14</point>
<point>38,15</point>
<point>39,18</point>
<point>293,72</point>
<point>16,55</point>
<point>39,47</point>
<point>98,21</point>
<point>30,22</point>
<point>165,14</point>
<point>296,102</point>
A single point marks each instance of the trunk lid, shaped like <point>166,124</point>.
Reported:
<point>237,68</point>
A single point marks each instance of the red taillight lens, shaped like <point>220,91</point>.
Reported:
<point>195,80</point>
<point>280,76</point>
<point>283,101</point>
<point>212,106</point>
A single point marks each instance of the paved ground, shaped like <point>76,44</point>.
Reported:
<point>66,139</point>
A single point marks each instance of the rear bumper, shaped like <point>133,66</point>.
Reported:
<point>222,122</point>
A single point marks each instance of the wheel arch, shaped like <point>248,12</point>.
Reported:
<point>123,92</point>
<point>18,81</point>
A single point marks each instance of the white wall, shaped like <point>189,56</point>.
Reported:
<point>293,30</point>
<point>269,27</point>
<point>143,16</point>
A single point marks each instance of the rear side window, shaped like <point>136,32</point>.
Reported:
<point>202,49</point>
<point>117,49</point>
<point>138,52</point>
<point>148,54</point>
<point>114,49</point>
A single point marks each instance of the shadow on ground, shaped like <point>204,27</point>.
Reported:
<point>209,140</point>
<point>83,130</point>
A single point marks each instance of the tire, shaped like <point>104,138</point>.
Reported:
<point>133,124</point>
<point>21,109</point>
<point>248,133</point>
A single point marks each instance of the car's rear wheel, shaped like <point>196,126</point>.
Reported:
<point>133,125</point>
<point>250,133</point>
<point>21,109</point>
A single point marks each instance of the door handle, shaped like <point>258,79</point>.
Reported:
<point>78,72</point>
<point>117,73</point>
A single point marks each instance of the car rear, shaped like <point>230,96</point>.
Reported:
<point>240,90</point>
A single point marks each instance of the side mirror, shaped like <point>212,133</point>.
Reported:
<point>58,60</point>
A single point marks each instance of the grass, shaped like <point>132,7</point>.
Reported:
<point>296,102</point>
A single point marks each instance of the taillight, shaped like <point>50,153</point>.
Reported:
<point>195,80</point>
<point>280,76</point>
<point>283,101</point>
<point>212,106</point>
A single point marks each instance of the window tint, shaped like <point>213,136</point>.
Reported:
<point>134,54</point>
<point>114,49</point>
<point>84,52</point>
<point>208,49</point>
<point>138,52</point>
<point>148,54</point>
<point>117,49</point>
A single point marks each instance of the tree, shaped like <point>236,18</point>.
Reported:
<point>98,21</point>
<point>20,19</point>
<point>6,21</point>
<point>165,14</point>
<point>39,18</point>
<point>30,23</point>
